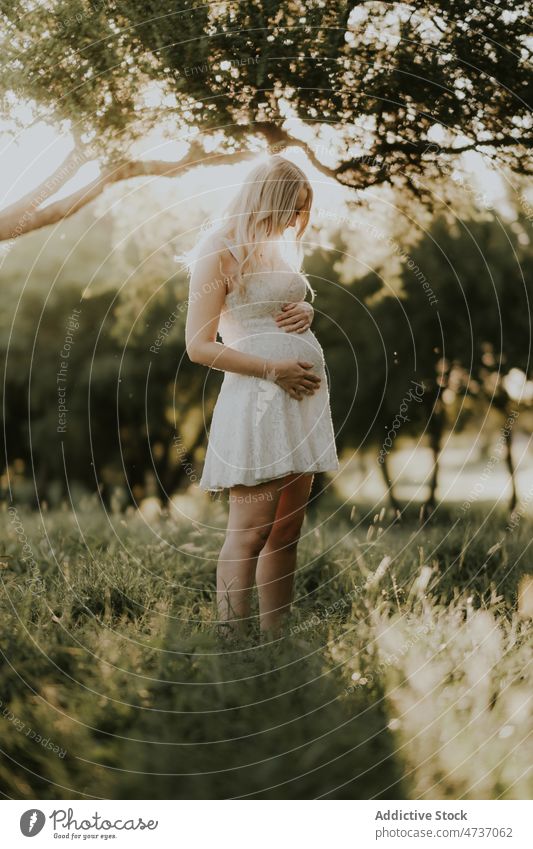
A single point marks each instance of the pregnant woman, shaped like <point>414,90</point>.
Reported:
<point>271,428</point>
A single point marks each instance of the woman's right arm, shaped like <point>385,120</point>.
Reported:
<point>207,293</point>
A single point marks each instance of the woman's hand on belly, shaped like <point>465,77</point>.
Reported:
<point>295,377</point>
<point>295,317</point>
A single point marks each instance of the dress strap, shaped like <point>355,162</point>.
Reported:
<point>231,249</point>
<point>229,246</point>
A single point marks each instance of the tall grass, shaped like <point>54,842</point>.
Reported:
<point>405,671</point>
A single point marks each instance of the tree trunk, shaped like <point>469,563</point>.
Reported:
<point>435,431</point>
<point>508,441</point>
<point>384,466</point>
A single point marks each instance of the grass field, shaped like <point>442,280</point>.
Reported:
<point>405,671</point>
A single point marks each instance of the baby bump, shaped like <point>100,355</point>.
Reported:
<point>278,344</point>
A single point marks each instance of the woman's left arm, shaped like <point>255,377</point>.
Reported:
<point>295,317</point>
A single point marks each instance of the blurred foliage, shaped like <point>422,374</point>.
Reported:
<point>138,409</point>
<point>116,69</point>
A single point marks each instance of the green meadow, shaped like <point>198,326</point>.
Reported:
<point>404,671</point>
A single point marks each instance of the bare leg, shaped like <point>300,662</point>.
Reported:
<point>277,561</point>
<point>251,514</point>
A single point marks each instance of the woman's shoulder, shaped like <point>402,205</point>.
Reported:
<point>225,259</point>
<point>219,243</point>
<point>225,238</point>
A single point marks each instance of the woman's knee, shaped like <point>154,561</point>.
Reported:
<point>285,535</point>
<point>249,540</point>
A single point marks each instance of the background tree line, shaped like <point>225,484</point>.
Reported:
<point>136,421</point>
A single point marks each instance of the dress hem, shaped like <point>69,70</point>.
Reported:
<point>308,471</point>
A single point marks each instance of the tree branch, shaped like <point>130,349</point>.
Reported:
<point>426,146</point>
<point>278,138</point>
<point>63,173</point>
<point>19,218</point>
<point>27,214</point>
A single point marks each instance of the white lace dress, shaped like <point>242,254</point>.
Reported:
<point>258,432</point>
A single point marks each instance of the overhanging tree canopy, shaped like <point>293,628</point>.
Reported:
<point>374,92</point>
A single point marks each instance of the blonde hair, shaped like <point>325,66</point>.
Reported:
<point>260,210</point>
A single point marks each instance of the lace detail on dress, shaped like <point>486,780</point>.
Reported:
<point>258,432</point>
